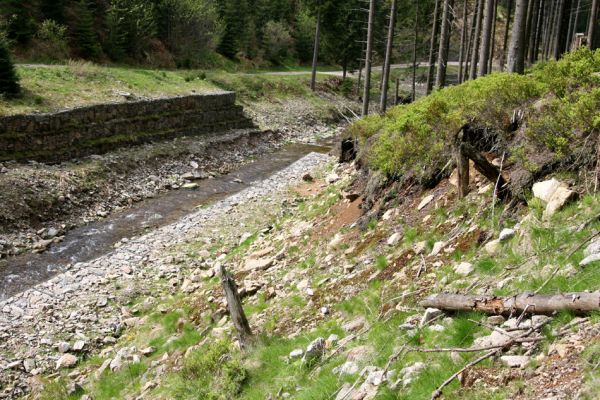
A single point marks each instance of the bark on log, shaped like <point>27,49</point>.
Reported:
<point>580,303</point>
<point>236,311</point>
<point>486,168</point>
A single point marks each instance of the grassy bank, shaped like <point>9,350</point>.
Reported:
<point>55,87</point>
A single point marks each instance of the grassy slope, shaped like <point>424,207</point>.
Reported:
<point>215,370</point>
<point>56,87</point>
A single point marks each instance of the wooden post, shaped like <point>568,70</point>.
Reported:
<point>236,311</point>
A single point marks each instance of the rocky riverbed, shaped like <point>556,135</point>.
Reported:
<point>52,325</point>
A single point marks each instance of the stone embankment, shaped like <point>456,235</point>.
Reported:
<point>101,128</point>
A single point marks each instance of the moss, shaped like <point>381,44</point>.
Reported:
<point>415,140</point>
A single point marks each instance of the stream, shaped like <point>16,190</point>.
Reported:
<point>90,241</point>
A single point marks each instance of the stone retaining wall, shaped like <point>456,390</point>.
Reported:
<point>101,128</point>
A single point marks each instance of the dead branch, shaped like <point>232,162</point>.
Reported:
<point>580,303</point>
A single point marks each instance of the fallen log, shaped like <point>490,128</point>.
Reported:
<point>487,169</point>
<point>579,303</point>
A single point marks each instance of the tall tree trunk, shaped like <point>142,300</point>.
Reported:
<point>539,31</point>
<point>360,70</point>
<point>440,80</point>
<point>367,90</point>
<point>592,26</point>
<point>516,55</point>
<point>432,46</point>
<point>470,43</point>
<point>486,37</point>
<point>505,40</point>
<point>557,50</point>
<point>528,24</point>
<point>476,37</point>
<point>550,28</point>
<point>388,59</point>
<point>572,23</point>
<point>463,41</point>
<point>313,78</point>
<point>493,41</point>
<point>414,60</point>
<point>531,49</point>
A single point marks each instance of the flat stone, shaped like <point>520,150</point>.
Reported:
<point>78,345</point>
<point>592,248</point>
<point>515,361</point>
<point>559,199</point>
<point>347,368</point>
<point>259,264</point>
<point>437,247</point>
<point>464,268</point>
<point>66,361</point>
<point>189,186</point>
<point>394,239</point>
<point>426,200</point>
<point>355,325</point>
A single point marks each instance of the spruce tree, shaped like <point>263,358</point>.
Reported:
<point>86,37</point>
<point>9,82</point>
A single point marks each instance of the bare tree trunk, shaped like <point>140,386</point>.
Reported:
<point>236,311</point>
<point>531,32</point>
<point>572,22</point>
<point>414,60</point>
<point>313,78</point>
<point>369,54</point>
<point>470,43</point>
<point>528,24</point>
<point>550,29</point>
<point>476,37</point>
<point>493,41</point>
<point>463,41</point>
<point>559,28</point>
<point>516,55</point>
<point>580,303</point>
<point>432,46</point>
<point>505,41</point>
<point>388,59</point>
<point>462,170</point>
<point>486,37</point>
<point>592,25</point>
<point>360,72</point>
<point>538,31</point>
<point>440,80</point>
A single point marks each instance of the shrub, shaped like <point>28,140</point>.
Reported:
<point>50,42</point>
<point>277,42</point>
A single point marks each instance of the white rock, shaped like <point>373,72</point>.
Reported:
<point>592,248</point>
<point>189,186</point>
<point>464,268</point>
<point>506,234</point>
<point>515,361</point>
<point>347,368</point>
<point>437,247</point>
<point>394,239</point>
<point>589,259</point>
<point>430,314</point>
<point>420,247</point>
<point>426,200</point>
<point>296,354</point>
<point>332,178</point>
<point>544,190</point>
<point>260,264</point>
<point>561,196</point>
<point>315,349</point>
<point>78,345</point>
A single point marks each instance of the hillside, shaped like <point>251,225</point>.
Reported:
<point>333,262</point>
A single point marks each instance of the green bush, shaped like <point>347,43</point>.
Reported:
<point>415,140</point>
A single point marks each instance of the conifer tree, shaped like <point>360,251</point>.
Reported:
<point>9,82</point>
<point>86,37</point>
